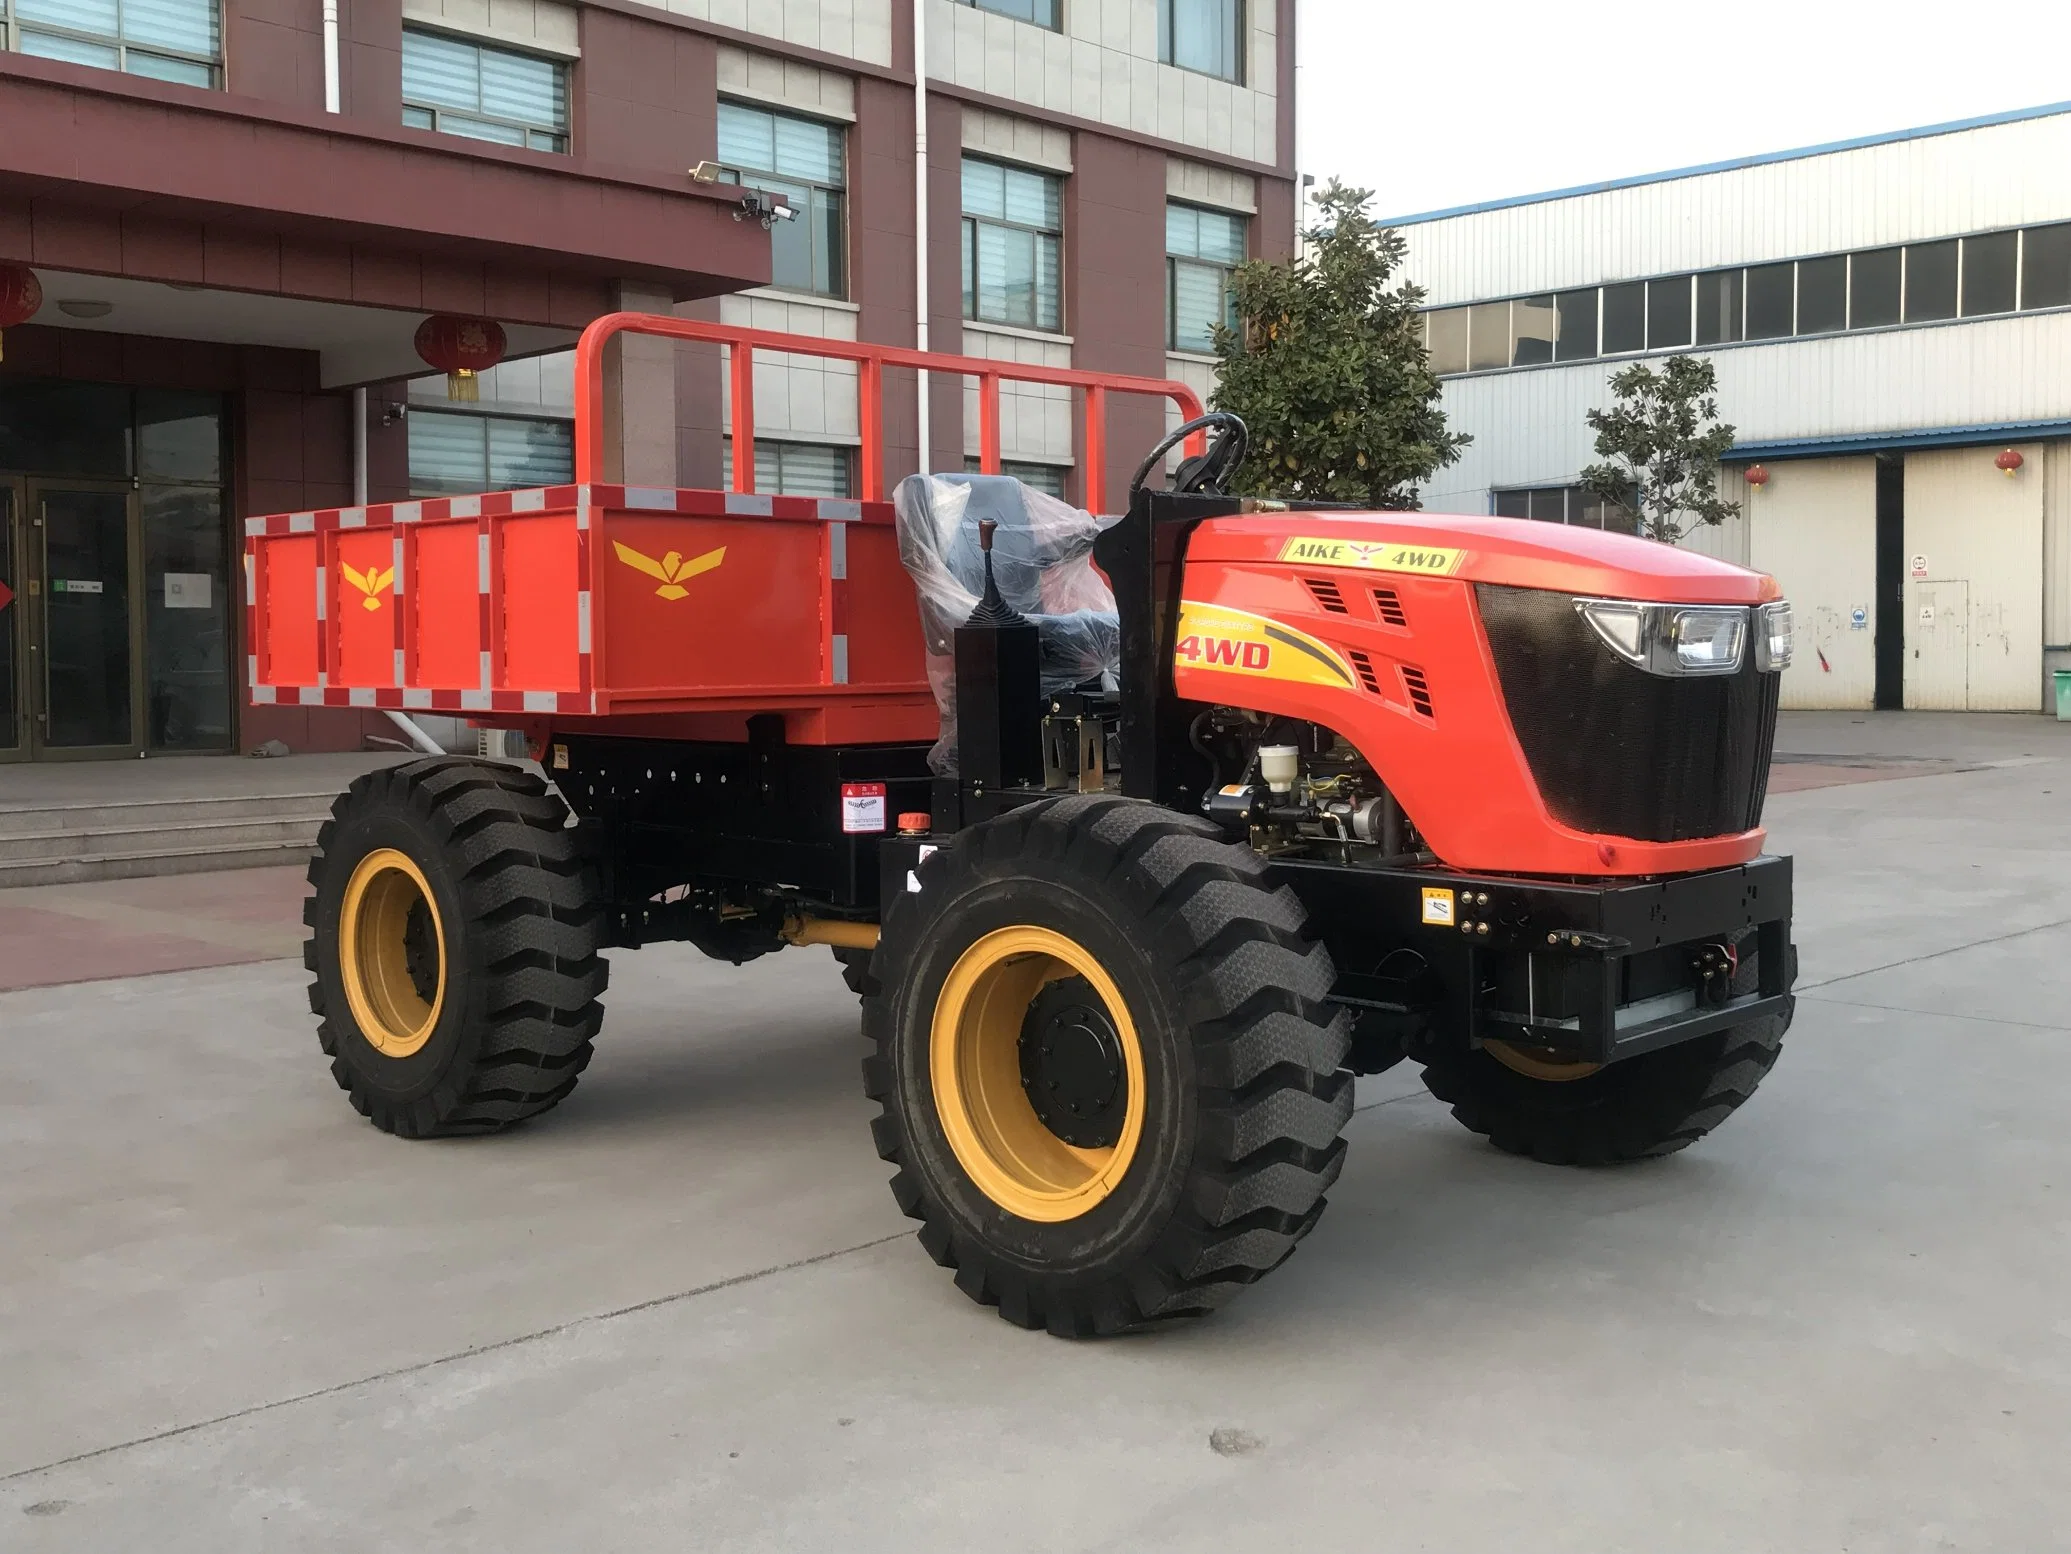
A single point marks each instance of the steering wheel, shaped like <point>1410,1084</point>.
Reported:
<point>1210,471</point>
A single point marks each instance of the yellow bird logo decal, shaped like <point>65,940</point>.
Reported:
<point>370,582</point>
<point>672,569</point>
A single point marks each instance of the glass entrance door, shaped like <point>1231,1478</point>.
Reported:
<point>83,637</point>
<point>14,613</point>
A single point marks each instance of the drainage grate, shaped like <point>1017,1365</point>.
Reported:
<point>1419,690</point>
<point>1364,665</point>
<point>1389,603</point>
<point>1327,595</point>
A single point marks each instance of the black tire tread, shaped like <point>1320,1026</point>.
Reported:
<point>1269,1051</point>
<point>1666,1102</point>
<point>535,920</point>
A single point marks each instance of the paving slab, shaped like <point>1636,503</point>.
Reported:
<point>682,1312</point>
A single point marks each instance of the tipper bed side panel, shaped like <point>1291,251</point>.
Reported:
<point>590,601</point>
<point>711,605</point>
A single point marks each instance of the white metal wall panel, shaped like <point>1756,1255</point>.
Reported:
<point>1973,581</point>
<point>1904,191</point>
<point>1528,425</point>
<point>2056,561</point>
<point>1814,529</point>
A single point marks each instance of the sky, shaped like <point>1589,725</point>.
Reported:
<point>1436,105</point>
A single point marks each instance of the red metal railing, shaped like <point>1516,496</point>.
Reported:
<point>871,362</point>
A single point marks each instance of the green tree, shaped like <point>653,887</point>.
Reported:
<point>1660,443</point>
<point>1327,368</point>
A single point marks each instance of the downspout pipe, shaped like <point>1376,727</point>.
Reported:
<point>331,94</point>
<point>920,218</point>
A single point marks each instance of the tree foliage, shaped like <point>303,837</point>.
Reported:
<point>1660,443</point>
<point>1327,368</point>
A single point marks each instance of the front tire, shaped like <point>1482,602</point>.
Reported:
<point>1582,1114</point>
<point>454,935</point>
<point>1110,1078</point>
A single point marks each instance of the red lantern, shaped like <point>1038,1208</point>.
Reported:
<point>1758,475</point>
<point>21,294</point>
<point>2009,461</point>
<point>460,348</point>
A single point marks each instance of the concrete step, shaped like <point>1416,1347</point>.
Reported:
<point>183,837</point>
<point>17,820</point>
<point>63,843</point>
<point>150,862</point>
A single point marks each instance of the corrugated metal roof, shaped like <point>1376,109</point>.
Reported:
<point>1761,159</point>
<point>1877,442</point>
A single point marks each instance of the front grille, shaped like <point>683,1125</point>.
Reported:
<point>1364,664</point>
<point>1388,604</point>
<point>1620,752</point>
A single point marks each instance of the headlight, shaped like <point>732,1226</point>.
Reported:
<point>1708,641</point>
<point>1773,637</point>
<point>1672,639</point>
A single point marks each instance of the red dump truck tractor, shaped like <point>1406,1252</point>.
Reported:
<point>1138,837</point>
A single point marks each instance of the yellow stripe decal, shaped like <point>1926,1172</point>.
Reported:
<point>1213,636</point>
<point>1374,555</point>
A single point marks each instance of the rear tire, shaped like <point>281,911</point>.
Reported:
<point>1654,1104</point>
<point>1208,1139</point>
<point>454,935</point>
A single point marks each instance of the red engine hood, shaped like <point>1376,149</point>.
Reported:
<point>1512,551</point>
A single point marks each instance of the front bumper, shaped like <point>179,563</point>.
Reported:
<point>1592,971</point>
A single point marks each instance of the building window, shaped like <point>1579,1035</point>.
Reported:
<point>2046,267</point>
<point>1718,307</point>
<point>1823,295</point>
<point>1013,220</point>
<point>1047,478</point>
<point>1980,275</point>
<point>1203,35</point>
<point>1042,12</point>
<point>796,468</point>
<point>1668,312</point>
<point>1566,504</point>
<point>1532,328</point>
<point>459,452</point>
<point>167,40</point>
<point>1625,317</point>
<point>1771,293</point>
<point>1202,247</point>
<point>484,93</point>
<point>1930,281</point>
<point>1445,339</point>
<point>1990,266</point>
<point>1875,284</point>
<point>1576,341</point>
<point>803,162</point>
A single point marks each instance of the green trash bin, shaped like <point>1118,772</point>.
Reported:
<point>2063,695</point>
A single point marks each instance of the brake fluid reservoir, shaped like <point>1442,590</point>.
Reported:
<point>1280,765</point>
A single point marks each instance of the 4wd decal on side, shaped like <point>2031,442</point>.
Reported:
<point>1213,636</point>
<point>1374,555</point>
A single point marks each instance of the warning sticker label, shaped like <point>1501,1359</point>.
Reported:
<point>862,807</point>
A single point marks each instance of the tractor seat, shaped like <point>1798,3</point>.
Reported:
<point>1042,555</point>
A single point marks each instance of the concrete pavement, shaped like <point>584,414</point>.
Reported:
<point>682,1312</point>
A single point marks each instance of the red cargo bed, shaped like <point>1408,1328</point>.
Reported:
<point>594,600</point>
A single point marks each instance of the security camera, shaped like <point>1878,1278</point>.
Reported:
<point>763,208</point>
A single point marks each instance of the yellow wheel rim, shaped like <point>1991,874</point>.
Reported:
<point>975,1066</point>
<point>375,932</point>
<point>1538,1062</point>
